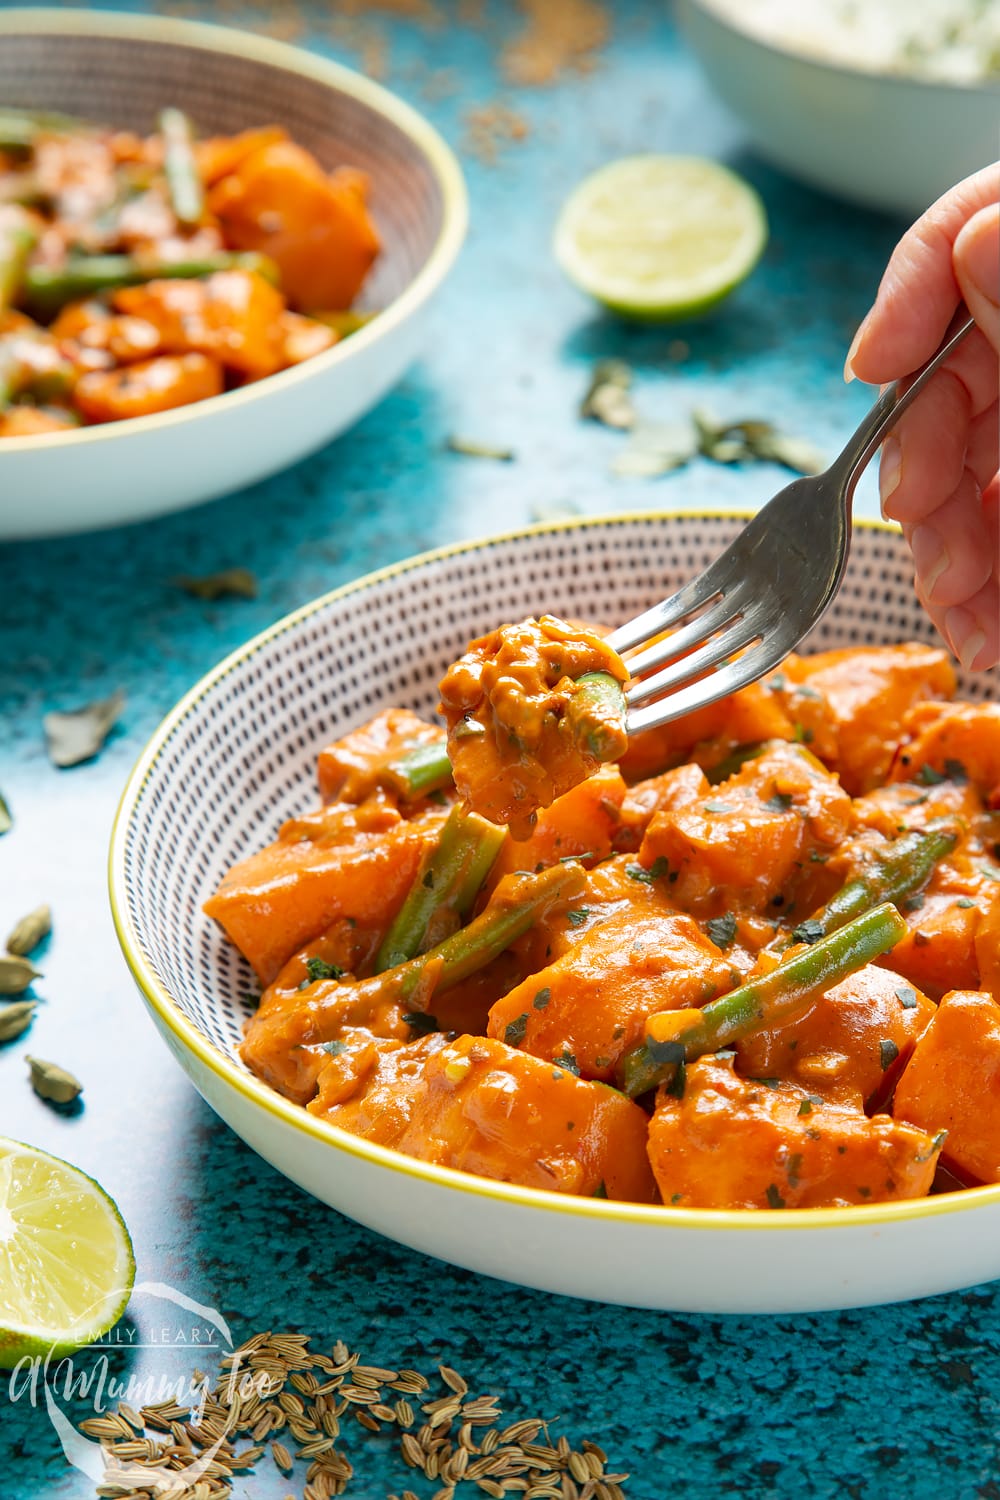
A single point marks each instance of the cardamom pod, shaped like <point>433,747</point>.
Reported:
<point>49,1081</point>
<point>16,973</point>
<point>30,930</point>
<point>15,1018</point>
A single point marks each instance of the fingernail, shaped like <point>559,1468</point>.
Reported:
<point>930,556</point>
<point>849,374</point>
<point>979,256</point>
<point>890,469</point>
<point>967,640</point>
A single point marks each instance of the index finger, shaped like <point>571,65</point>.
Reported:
<point>918,293</point>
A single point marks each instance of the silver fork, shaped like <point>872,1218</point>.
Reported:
<point>767,590</point>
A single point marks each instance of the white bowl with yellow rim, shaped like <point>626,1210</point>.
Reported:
<point>237,756</point>
<point>123,69</point>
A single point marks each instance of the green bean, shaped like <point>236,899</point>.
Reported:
<point>187,194</point>
<point>768,1001</point>
<point>448,881</point>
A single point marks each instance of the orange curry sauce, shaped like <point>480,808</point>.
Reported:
<point>671,876</point>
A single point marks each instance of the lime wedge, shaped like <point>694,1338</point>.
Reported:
<point>66,1265</point>
<point>658,237</point>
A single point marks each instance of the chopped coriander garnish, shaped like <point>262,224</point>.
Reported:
<point>809,931</point>
<point>515,1031</point>
<point>320,969</point>
<point>656,871</point>
<point>888,1052</point>
<point>600,1191</point>
<point>722,930</point>
<point>927,776</point>
<point>780,802</point>
<point>421,1022</point>
<point>805,1107</point>
<point>542,999</point>
<point>335,1048</point>
<point>578,917</point>
<point>567,1061</point>
<point>774,1198</point>
<point>675,1086</point>
<point>964,903</point>
<point>906,997</point>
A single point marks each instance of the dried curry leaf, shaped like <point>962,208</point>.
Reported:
<point>30,931</point>
<point>72,738</point>
<point>607,398</point>
<point>236,583</point>
<point>655,448</point>
<point>795,453</point>
<point>737,442</point>
<point>472,449</point>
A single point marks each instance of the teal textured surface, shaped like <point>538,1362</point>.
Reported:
<point>873,1405</point>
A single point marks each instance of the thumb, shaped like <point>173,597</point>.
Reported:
<point>976,259</point>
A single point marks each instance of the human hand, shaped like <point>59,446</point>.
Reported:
<point>939,469</point>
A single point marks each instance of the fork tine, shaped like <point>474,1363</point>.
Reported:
<point>662,616</point>
<point>743,632</point>
<point>694,633</point>
<point>728,679</point>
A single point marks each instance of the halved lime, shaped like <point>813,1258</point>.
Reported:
<point>66,1264</point>
<point>658,237</point>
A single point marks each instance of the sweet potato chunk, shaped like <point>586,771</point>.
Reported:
<point>149,386</point>
<point>273,902</point>
<point>952,1083</point>
<point>957,741</point>
<point>744,843</point>
<point>850,1045</point>
<point>869,690</point>
<point>316,228</point>
<point>352,767</point>
<point>486,1108</point>
<point>589,1007</point>
<point>733,1143</point>
<point>938,952</point>
<point>580,824</point>
<point>234,316</point>
<point>753,714</point>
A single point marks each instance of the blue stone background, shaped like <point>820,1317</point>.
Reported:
<point>871,1405</point>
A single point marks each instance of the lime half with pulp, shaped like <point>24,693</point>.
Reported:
<point>659,237</point>
<point>66,1264</point>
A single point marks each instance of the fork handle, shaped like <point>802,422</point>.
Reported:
<point>883,416</point>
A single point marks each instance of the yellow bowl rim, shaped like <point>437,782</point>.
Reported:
<point>256,1092</point>
<point>208,37</point>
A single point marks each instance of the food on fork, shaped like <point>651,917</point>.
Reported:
<point>532,709</point>
<point>139,274</point>
<point>748,961</point>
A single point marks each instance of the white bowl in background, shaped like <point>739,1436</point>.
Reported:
<point>123,69</point>
<point>883,140</point>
